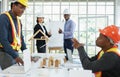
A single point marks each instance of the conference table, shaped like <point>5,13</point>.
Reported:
<point>65,69</point>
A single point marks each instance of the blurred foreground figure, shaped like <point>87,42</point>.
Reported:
<point>11,38</point>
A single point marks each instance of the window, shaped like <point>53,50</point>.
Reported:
<point>84,9</point>
<point>0,7</point>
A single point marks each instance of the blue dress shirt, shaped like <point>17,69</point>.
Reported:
<point>69,28</point>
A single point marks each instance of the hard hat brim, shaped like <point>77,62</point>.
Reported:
<point>26,5</point>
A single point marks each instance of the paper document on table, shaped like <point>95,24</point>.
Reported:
<point>81,73</point>
<point>71,65</point>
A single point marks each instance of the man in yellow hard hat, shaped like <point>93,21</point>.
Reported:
<point>11,38</point>
<point>107,62</point>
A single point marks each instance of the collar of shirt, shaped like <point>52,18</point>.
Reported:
<point>12,15</point>
<point>67,20</point>
<point>42,27</point>
<point>14,20</point>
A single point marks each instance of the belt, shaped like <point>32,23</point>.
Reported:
<point>68,39</point>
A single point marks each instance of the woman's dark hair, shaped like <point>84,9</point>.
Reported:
<point>38,21</point>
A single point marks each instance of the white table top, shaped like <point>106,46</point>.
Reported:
<point>52,73</point>
<point>65,70</point>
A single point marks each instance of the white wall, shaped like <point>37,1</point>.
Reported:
<point>4,5</point>
<point>117,13</point>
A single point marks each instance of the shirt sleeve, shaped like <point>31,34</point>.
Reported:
<point>46,32</point>
<point>104,63</point>
<point>4,31</point>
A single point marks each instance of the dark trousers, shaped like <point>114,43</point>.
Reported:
<point>68,44</point>
<point>41,49</point>
<point>6,60</point>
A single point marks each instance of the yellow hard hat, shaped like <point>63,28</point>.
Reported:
<point>23,2</point>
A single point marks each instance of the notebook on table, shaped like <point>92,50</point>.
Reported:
<point>19,69</point>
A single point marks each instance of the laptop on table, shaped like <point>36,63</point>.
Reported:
<point>19,69</point>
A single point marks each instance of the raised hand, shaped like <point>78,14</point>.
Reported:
<point>76,44</point>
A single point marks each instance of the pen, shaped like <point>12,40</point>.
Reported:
<point>43,45</point>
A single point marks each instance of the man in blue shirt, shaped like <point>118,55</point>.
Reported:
<point>69,28</point>
<point>11,38</point>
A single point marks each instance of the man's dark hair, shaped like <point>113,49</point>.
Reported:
<point>11,5</point>
<point>16,3</point>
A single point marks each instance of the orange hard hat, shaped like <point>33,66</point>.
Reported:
<point>113,32</point>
